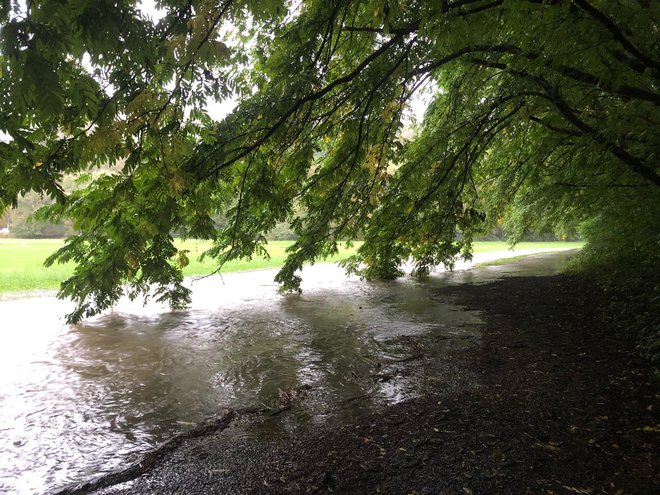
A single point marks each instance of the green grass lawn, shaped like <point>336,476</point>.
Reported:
<point>21,260</point>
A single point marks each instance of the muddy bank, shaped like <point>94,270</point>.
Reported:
<point>555,402</point>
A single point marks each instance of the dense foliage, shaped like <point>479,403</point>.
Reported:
<point>543,113</point>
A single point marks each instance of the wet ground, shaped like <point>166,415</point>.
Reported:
<point>81,401</point>
<point>549,399</point>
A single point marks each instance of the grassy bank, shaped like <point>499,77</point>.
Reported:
<point>21,260</point>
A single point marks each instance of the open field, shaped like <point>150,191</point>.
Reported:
<point>504,261</point>
<point>21,260</point>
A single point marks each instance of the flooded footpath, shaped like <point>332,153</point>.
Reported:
<point>80,402</point>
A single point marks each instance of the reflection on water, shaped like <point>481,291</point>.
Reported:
<point>78,401</point>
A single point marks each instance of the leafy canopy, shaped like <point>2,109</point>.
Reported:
<point>543,114</point>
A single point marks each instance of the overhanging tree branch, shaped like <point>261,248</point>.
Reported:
<point>310,98</point>
<point>617,33</point>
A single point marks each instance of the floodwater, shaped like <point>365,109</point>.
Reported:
<point>78,401</point>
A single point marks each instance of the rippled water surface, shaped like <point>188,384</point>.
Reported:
<point>79,401</point>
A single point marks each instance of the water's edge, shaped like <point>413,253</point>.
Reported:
<point>151,459</point>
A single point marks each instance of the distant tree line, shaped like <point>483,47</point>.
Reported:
<point>25,222</point>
